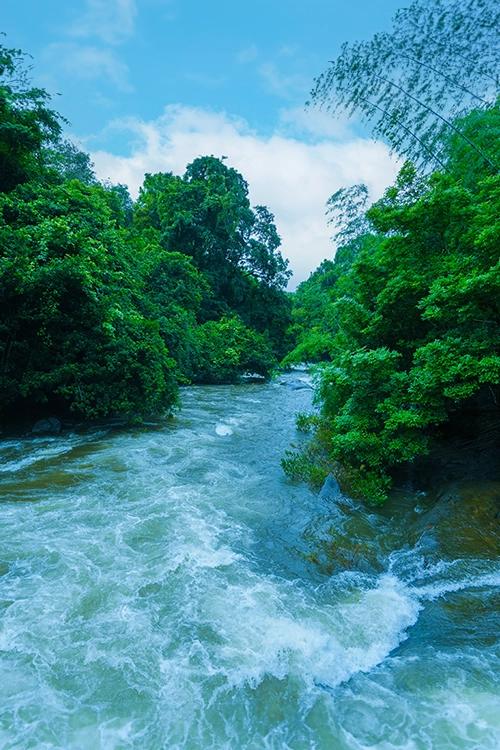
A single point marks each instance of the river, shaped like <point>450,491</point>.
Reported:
<point>166,587</point>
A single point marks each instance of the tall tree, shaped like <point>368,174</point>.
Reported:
<point>207,215</point>
<point>408,324</point>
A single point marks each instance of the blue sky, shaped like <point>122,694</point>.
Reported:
<point>150,84</point>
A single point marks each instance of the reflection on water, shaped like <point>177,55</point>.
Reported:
<point>168,588</point>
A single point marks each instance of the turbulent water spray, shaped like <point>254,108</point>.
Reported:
<point>157,592</point>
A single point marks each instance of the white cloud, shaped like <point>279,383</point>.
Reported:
<point>111,21</point>
<point>315,123</point>
<point>292,177</point>
<point>88,63</point>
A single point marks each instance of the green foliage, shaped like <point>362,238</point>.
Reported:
<point>309,328</point>
<point>206,215</point>
<point>27,124</point>
<point>106,306</point>
<point>305,466</point>
<point>406,320</point>
<point>227,348</point>
<point>64,161</point>
<point>72,336</point>
<point>173,293</point>
<point>346,212</point>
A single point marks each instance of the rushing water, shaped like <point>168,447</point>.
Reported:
<point>167,588</point>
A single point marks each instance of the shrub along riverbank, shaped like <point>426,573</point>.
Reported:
<point>406,320</point>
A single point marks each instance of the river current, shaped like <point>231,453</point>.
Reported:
<point>166,587</point>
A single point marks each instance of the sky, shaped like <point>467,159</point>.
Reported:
<point>149,85</point>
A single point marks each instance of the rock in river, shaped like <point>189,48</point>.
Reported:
<point>49,426</point>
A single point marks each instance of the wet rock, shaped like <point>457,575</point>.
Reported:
<point>346,538</point>
<point>297,385</point>
<point>463,518</point>
<point>330,490</point>
<point>50,426</point>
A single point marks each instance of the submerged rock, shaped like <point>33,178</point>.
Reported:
<point>49,426</point>
<point>297,385</point>
<point>330,489</point>
<point>464,518</point>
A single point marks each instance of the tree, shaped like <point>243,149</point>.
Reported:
<point>120,202</point>
<point>106,306</point>
<point>346,211</point>
<point>27,124</point>
<point>227,348</point>
<point>262,257</point>
<point>206,214</point>
<point>67,162</point>
<point>72,336</point>
<point>413,84</point>
<point>408,326</point>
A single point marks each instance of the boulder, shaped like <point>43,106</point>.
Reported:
<point>49,426</point>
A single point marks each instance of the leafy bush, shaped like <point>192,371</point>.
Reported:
<point>73,336</point>
<point>227,348</point>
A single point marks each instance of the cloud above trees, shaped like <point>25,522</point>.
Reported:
<point>293,177</point>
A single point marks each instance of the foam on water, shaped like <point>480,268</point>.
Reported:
<point>223,429</point>
<point>18,455</point>
<point>428,580</point>
<point>278,629</point>
<point>40,450</point>
<point>163,601</point>
<point>437,590</point>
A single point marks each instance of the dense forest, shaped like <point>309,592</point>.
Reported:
<point>405,321</point>
<point>108,305</point>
